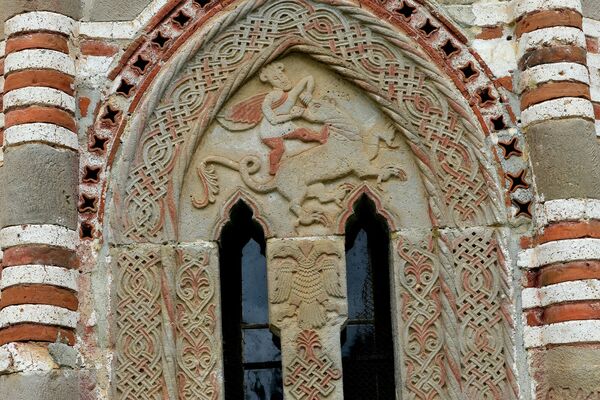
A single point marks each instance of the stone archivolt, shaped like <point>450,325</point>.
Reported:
<point>351,107</point>
<point>422,106</point>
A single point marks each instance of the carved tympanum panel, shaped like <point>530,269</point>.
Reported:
<point>303,144</point>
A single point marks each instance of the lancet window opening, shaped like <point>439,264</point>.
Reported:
<point>367,339</point>
<point>251,352</point>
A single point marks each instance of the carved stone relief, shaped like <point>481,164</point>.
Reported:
<point>307,294</point>
<point>222,82</point>
<point>167,312</point>
<point>305,147</point>
<point>455,316</point>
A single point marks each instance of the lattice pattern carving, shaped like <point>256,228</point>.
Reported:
<point>483,313</point>
<point>312,373</point>
<point>358,46</point>
<point>139,368</point>
<point>198,345</point>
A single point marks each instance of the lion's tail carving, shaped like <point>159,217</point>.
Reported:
<point>209,180</point>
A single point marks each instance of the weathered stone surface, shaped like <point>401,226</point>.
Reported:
<point>591,9</point>
<point>39,186</point>
<point>112,10</point>
<point>561,174</point>
<point>307,293</point>
<point>54,385</point>
<point>568,372</point>
<point>63,355</point>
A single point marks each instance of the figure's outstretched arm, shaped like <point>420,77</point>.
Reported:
<point>303,89</point>
<point>274,118</point>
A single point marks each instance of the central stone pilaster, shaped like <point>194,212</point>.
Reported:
<point>307,306</point>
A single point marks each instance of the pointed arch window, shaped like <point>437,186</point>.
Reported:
<point>251,353</point>
<point>367,339</point>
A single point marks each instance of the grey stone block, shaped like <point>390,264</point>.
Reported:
<point>113,10</point>
<point>565,158</point>
<point>54,385</point>
<point>39,186</point>
<point>591,9</point>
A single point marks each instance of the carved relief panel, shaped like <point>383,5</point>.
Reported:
<point>303,143</point>
<point>168,321</point>
<point>307,305</point>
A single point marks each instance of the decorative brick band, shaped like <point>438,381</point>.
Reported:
<point>40,78</point>
<point>548,19</point>
<point>39,287</point>
<point>38,40</point>
<point>32,254</point>
<point>39,294</point>
<point>36,333</point>
<point>563,272</point>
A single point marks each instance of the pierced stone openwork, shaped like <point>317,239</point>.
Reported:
<point>298,109</point>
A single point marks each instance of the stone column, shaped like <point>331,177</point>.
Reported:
<point>560,300</point>
<point>38,217</point>
<point>307,305</point>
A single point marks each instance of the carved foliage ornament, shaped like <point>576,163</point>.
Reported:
<point>384,64</point>
<point>312,374</point>
<point>168,344</point>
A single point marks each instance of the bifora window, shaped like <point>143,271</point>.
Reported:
<point>367,341</point>
<point>251,353</point>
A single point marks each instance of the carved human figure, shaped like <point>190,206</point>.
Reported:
<point>276,111</point>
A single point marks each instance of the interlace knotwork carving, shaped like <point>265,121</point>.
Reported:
<point>311,373</point>
<point>197,347</point>
<point>409,89</point>
<point>139,367</point>
<point>423,339</point>
<point>483,314</point>
<point>306,279</point>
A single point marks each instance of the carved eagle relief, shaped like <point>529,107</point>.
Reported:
<point>306,276</point>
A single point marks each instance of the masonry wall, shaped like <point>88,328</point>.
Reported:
<point>72,72</point>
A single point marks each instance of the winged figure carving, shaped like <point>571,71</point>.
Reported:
<point>306,277</point>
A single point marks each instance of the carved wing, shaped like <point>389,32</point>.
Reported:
<point>284,275</point>
<point>331,278</point>
<point>243,115</point>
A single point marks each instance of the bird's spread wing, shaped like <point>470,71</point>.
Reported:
<point>331,277</point>
<point>243,115</point>
<point>283,281</point>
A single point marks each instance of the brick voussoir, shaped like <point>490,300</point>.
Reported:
<point>548,19</point>
<point>37,333</point>
<point>39,294</point>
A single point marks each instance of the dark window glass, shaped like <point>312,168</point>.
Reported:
<point>367,341</point>
<point>251,353</point>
